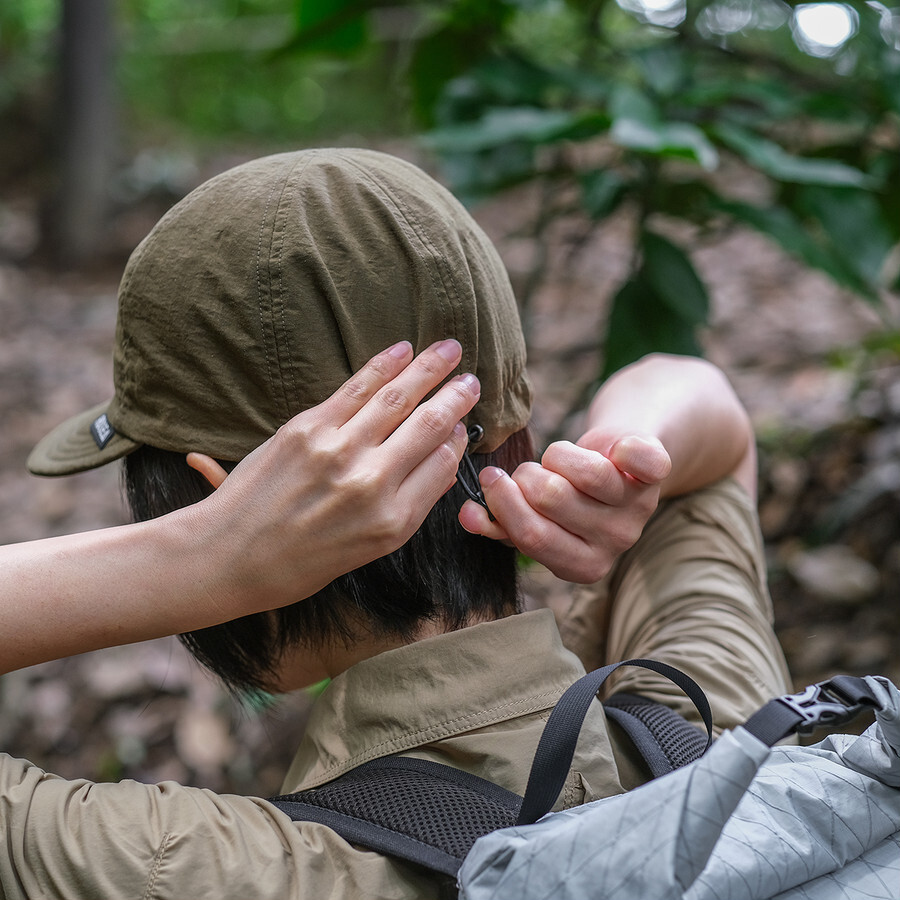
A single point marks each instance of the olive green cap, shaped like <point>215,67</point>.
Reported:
<point>263,290</point>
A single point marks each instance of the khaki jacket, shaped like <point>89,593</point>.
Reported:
<point>691,593</point>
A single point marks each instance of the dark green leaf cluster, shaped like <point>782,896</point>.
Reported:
<point>645,105</point>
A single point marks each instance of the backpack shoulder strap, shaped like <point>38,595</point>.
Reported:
<point>431,814</point>
<point>414,809</point>
<point>665,739</point>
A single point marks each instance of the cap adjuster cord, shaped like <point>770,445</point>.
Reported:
<point>471,484</point>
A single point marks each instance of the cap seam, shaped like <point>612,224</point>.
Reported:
<point>415,229</point>
<point>276,389</point>
<point>284,344</point>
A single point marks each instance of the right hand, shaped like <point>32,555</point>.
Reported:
<point>341,484</point>
<point>579,508</point>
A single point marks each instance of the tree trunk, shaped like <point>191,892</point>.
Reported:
<point>86,132</point>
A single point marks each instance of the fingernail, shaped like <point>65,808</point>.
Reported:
<point>400,350</point>
<point>459,430</point>
<point>471,382</point>
<point>450,350</point>
<point>490,475</point>
<point>464,527</point>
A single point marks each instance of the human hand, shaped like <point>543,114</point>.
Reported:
<point>579,508</point>
<point>341,484</point>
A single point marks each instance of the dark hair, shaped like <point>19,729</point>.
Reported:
<point>442,574</point>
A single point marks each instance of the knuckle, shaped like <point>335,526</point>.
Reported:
<point>394,400</point>
<point>431,366</point>
<point>534,539</point>
<point>601,473</point>
<point>599,567</point>
<point>555,455</point>
<point>389,529</point>
<point>296,435</point>
<point>355,390</point>
<point>432,422</point>
<point>603,481</point>
<point>362,486</point>
<point>551,495</point>
<point>622,536</point>
<point>460,394</point>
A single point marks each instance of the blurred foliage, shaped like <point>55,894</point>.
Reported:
<point>665,109</point>
<point>703,114</point>
<point>210,69</point>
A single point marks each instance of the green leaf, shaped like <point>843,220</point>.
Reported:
<point>664,67</point>
<point>628,102</point>
<point>463,39</point>
<point>787,230</point>
<point>475,175</point>
<point>668,139</point>
<point>673,278</point>
<point>763,97</point>
<point>775,161</point>
<point>520,123</point>
<point>642,322</point>
<point>853,221</point>
<point>331,26</point>
<point>601,192</point>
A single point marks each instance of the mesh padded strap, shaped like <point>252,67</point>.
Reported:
<point>664,739</point>
<point>413,809</point>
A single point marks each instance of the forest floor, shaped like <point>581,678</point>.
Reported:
<point>804,357</point>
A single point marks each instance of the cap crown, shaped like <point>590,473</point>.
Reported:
<point>261,292</point>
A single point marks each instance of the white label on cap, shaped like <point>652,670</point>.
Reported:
<point>102,431</point>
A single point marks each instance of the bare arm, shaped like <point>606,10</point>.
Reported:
<point>663,426</point>
<point>338,486</point>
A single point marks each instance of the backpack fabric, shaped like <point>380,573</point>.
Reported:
<point>744,821</point>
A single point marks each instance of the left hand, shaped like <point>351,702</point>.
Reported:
<point>579,508</point>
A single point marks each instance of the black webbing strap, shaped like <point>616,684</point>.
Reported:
<point>825,704</point>
<point>557,744</point>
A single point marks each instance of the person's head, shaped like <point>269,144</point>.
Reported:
<point>256,297</point>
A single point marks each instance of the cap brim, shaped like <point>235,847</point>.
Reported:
<point>71,447</point>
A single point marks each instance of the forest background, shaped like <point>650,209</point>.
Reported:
<point>720,178</point>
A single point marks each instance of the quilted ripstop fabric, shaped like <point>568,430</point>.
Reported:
<point>742,823</point>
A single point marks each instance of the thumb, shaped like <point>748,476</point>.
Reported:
<point>644,458</point>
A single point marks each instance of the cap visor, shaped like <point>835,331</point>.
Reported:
<point>71,447</point>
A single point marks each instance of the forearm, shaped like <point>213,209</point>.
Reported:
<point>689,405</point>
<point>71,594</point>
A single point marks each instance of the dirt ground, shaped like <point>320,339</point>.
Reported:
<point>828,416</point>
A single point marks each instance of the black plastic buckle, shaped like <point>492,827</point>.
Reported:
<point>821,705</point>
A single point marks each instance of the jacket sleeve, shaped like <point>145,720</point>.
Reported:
<point>76,839</point>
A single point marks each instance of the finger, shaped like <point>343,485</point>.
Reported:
<point>644,458</point>
<point>392,403</point>
<point>589,472</point>
<point>208,468</point>
<point>358,390</point>
<point>434,475</point>
<point>531,532</point>
<point>431,422</point>
<point>476,520</point>
<point>558,501</point>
